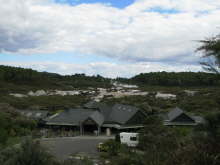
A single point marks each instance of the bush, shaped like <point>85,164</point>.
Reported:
<point>84,161</point>
<point>13,125</point>
<point>129,159</point>
<point>112,147</point>
<point>28,153</point>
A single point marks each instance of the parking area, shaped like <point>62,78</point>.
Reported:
<point>63,147</point>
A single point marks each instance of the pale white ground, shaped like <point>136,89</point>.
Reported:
<point>165,95</point>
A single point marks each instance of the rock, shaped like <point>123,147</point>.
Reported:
<point>190,93</point>
<point>37,93</point>
<point>107,162</point>
<point>62,93</point>
<point>165,95</point>
<point>18,95</point>
<point>40,93</point>
<point>72,93</point>
<point>31,93</point>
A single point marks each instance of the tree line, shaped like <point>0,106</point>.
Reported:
<point>177,79</point>
<point>186,79</point>
<point>21,76</point>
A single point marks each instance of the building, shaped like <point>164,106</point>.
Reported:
<point>177,117</point>
<point>99,117</point>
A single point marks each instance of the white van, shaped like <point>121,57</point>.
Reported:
<point>129,138</point>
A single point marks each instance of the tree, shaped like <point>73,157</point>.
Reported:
<point>3,128</point>
<point>158,142</point>
<point>203,146</point>
<point>211,51</point>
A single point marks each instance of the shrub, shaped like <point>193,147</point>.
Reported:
<point>28,153</point>
<point>112,147</point>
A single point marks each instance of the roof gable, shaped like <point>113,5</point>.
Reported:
<point>122,113</point>
<point>97,117</point>
<point>174,113</point>
<point>137,119</point>
<point>183,118</point>
<point>178,113</point>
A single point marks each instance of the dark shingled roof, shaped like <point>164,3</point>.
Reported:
<point>105,110</point>
<point>174,113</point>
<point>98,112</point>
<point>169,119</point>
<point>75,117</point>
<point>122,113</point>
<point>97,117</point>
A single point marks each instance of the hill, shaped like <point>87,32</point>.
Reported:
<point>14,79</point>
<point>180,79</point>
<point>22,81</point>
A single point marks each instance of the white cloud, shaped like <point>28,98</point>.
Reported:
<point>134,33</point>
<point>104,68</point>
<point>181,5</point>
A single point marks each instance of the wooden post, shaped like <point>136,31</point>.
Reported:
<point>99,130</point>
<point>81,128</point>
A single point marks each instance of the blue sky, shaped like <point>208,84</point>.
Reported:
<point>115,3</point>
<point>163,11</point>
<point>107,37</point>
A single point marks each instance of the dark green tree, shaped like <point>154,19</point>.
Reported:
<point>3,128</point>
<point>158,142</point>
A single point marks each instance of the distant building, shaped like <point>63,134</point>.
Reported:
<point>98,116</point>
<point>178,117</point>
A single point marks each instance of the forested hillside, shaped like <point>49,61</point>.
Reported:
<point>185,79</point>
<point>20,79</point>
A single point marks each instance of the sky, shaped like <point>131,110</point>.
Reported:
<point>112,38</point>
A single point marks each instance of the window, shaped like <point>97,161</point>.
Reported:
<point>133,138</point>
